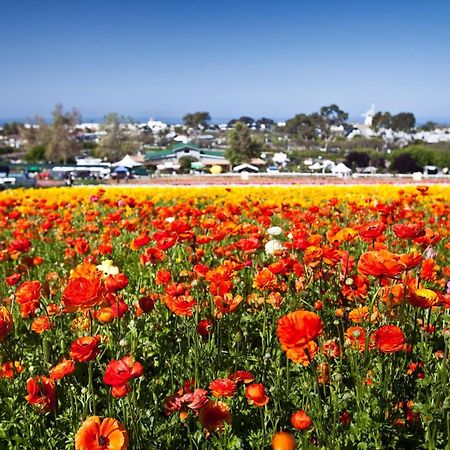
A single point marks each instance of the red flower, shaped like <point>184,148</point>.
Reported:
<point>372,230</point>
<point>223,387</point>
<point>409,230</point>
<point>28,291</point>
<point>119,372</point>
<point>13,279</point>
<point>214,415</point>
<point>242,375</point>
<point>85,349</point>
<point>205,327</point>
<point>390,339</point>
<point>114,283</point>
<point>256,394</point>
<point>41,392</point>
<point>300,420</point>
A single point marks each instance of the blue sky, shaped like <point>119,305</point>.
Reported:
<point>258,58</point>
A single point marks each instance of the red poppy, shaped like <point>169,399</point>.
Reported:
<point>214,415</point>
<point>41,392</point>
<point>242,375</point>
<point>63,369</point>
<point>13,279</point>
<point>265,280</point>
<point>389,339</point>
<point>223,387</point>
<point>300,420</point>
<point>409,230</point>
<point>85,349</point>
<point>372,230</point>
<point>8,370</point>
<point>107,434</point>
<point>28,291</point>
<point>118,373</point>
<point>114,283</point>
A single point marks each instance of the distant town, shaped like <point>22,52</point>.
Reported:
<point>120,148</point>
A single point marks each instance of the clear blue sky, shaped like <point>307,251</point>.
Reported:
<point>271,58</point>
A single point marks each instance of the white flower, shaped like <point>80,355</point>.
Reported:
<point>170,219</point>
<point>107,267</point>
<point>274,231</point>
<point>273,246</point>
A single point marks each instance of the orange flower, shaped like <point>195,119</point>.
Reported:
<point>82,293</point>
<point>356,337</point>
<point>7,370</point>
<point>223,387</point>
<point>389,339</point>
<point>107,434</point>
<point>85,349</point>
<point>361,314</point>
<point>6,323</point>
<point>27,296</point>
<point>297,328</point>
<point>256,394</point>
<point>41,392</point>
<point>424,298</point>
<point>41,324</point>
<point>380,263</point>
<point>227,303</point>
<point>265,280</point>
<point>64,368</point>
<point>214,415</point>
<point>283,440</point>
<point>409,230</point>
<point>303,354</point>
<point>300,420</point>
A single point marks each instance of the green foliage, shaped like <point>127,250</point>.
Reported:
<point>422,155</point>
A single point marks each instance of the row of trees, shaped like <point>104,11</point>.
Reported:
<point>404,121</point>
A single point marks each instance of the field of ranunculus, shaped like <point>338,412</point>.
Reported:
<point>225,318</point>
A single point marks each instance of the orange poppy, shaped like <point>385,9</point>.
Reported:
<point>227,303</point>
<point>256,394</point>
<point>302,354</point>
<point>214,415</point>
<point>8,370</point>
<point>41,324</point>
<point>300,420</point>
<point>356,337</point>
<point>282,440</point>
<point>389,339</point>
<point>107,434</point>
<point>380,263</point>
<point>264,280</point>
<point>298,327</point>
<point>64,368</point>
<point>6,323</point>
<point>82,293</point>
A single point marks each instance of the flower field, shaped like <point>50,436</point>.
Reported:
<point>225,318</point>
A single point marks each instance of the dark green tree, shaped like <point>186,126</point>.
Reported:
<point>197,119</point>
<point>356,159</point>
<point>405,163</point>
<point>404,121</point>
<point>242,148</point>
<point>382,120</point>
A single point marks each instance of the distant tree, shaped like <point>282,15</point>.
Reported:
<point>197,119</point>
<point>186,163</point>
<point>10,128</point>
<point>429,126</point>
<point>61,146</point>
<point>405,163</point>
<point>382,120</point>
<point>242,148</point>
<point>249,121</point>
<point>268,123</point>
<point>35,154</point>
<point>117,142</point>
<point>356,159</point>
<point>404,121</point>
<point>302,126</point>
<point>333,115</point>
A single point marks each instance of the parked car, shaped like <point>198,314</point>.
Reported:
<point>17,180</point>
